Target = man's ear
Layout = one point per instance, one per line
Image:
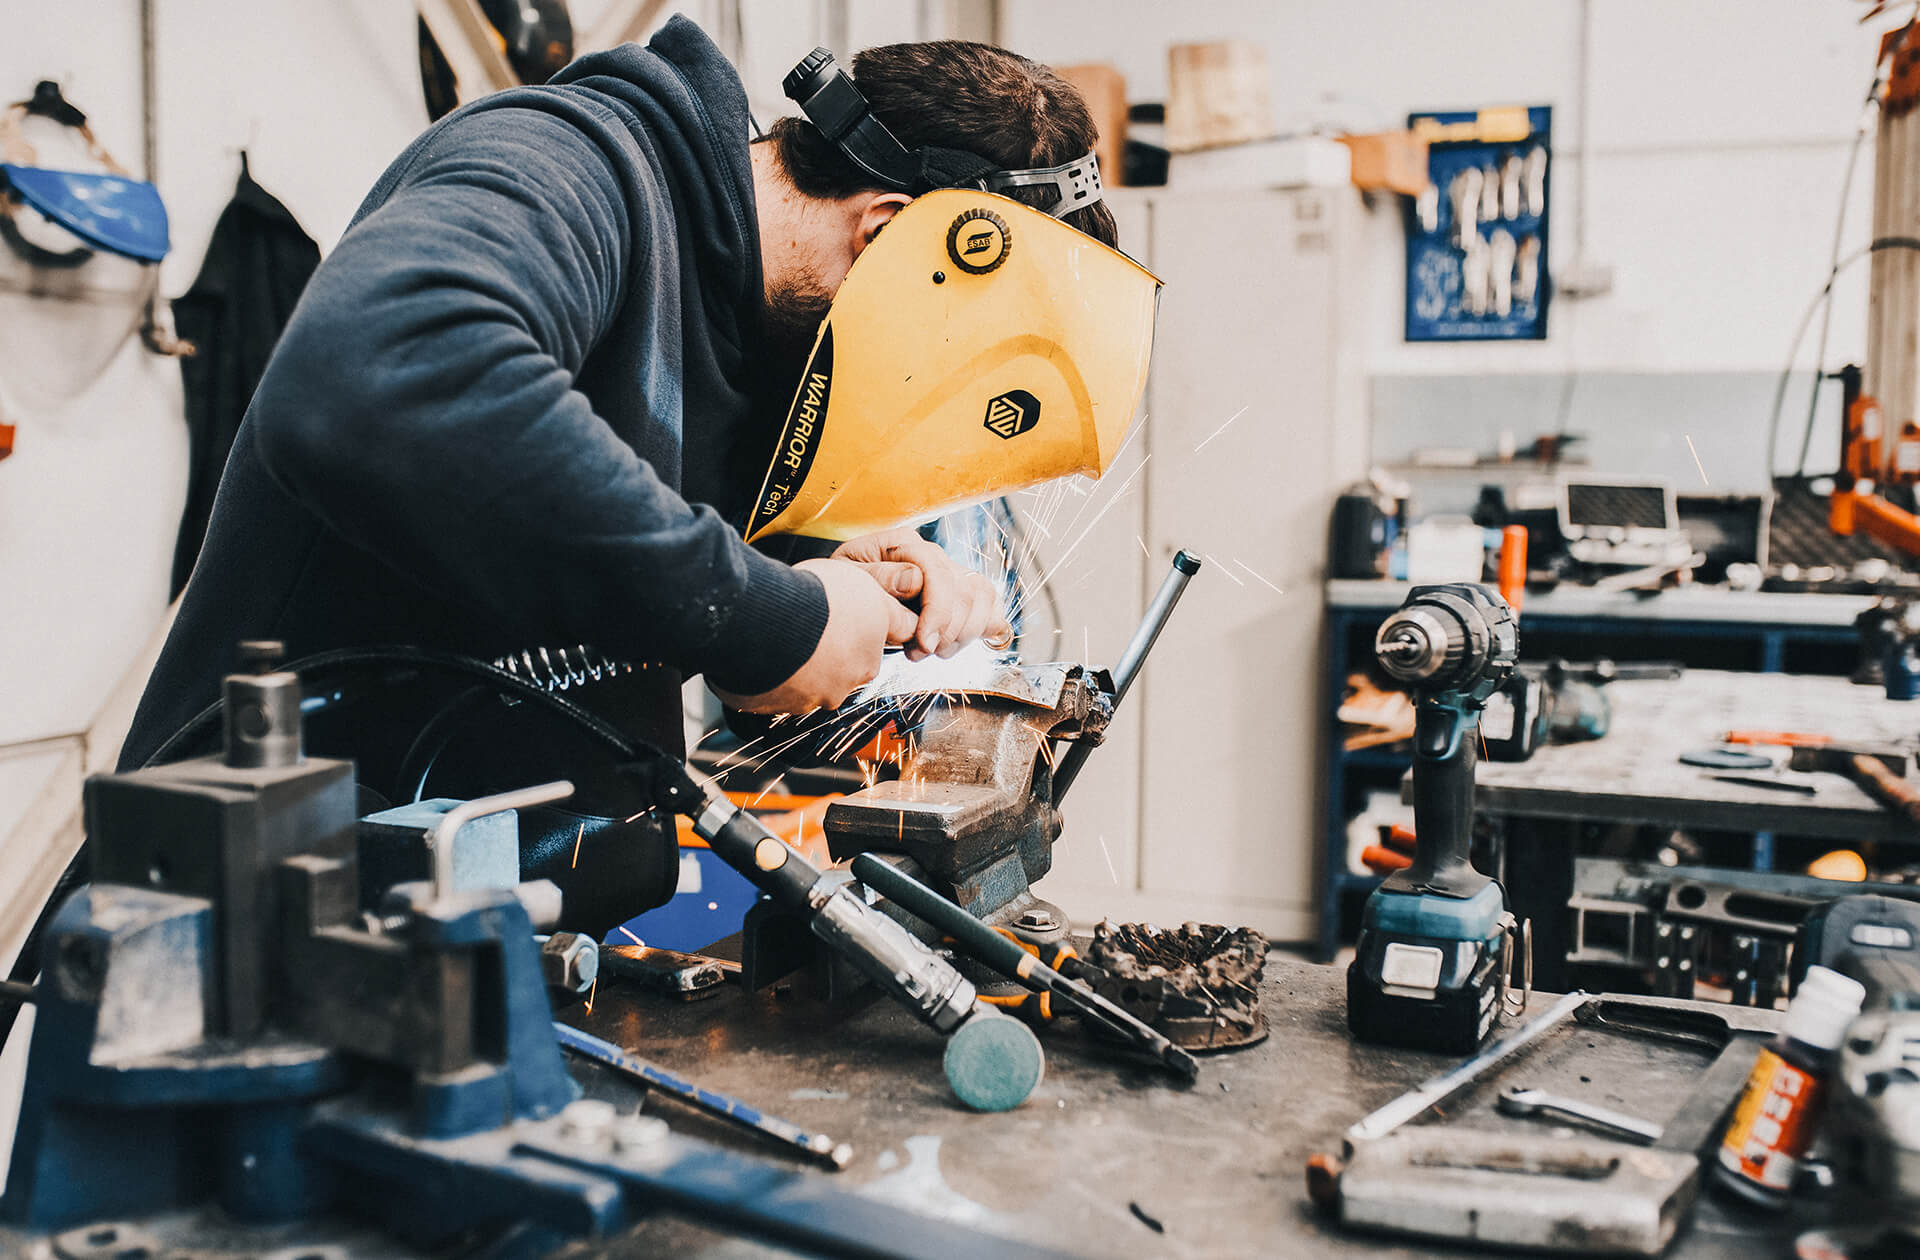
(876, 213)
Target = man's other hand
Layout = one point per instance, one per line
(956, 604)
(862, 619)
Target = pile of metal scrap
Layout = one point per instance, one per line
(1198, 985)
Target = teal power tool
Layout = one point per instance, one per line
(1436, 939)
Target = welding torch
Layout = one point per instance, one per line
(1006, 956)
(1185, 565)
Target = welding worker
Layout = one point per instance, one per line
(531, 395)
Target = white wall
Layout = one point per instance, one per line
(323, 96)
(1719, 131)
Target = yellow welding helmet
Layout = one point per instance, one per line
(977, 346)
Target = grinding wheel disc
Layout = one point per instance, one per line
(993, 1062)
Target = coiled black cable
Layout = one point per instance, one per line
(319, 665)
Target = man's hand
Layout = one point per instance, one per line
(862, 619)
(957, 605)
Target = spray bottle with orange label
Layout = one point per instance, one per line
(1775, 1119)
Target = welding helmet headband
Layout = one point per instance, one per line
(837, 108)
(976, 347)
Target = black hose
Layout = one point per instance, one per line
(25, 965)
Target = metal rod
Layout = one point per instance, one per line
(817, 1147)
(440, 839)
(1446, 1085)
(16, 991)
(1185, 565)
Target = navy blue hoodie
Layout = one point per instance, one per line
(520, 404)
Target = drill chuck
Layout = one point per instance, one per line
(1449, 638)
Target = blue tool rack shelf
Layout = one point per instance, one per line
(1765, 633)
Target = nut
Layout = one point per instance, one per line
(569, 961)
(587, 1120)
(637, 1132)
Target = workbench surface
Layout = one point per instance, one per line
(1684, 604)
(1634, 774)
(1219, 1165)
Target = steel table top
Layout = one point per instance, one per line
(1634, 774)
(1219, 1165)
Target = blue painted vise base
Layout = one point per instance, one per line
(128, 1109)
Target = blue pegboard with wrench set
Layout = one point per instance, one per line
(1477, 238)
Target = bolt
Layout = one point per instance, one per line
(587, 1120)
(1037, 921)
(637, 1132)
(569, 961)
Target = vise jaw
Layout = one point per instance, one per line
(973, 806)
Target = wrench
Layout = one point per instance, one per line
(1521, 1101)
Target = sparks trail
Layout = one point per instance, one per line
(1696, 460)
(1249, 571)
(1114, 874)
(1118, 495)
(1222, 429)
(574, 865)
(630, 936)
(1223, 568)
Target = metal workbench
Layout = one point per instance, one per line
(1634, 775)
(1220, 1165)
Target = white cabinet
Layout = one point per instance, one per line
(1204, 803)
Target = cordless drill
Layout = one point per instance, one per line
(1434, 939)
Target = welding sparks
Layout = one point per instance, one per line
(1248, 570)
(1222, 429)
(576, 842)
(1212, 560)
(1143, 547)
(1696, 460)
(592, 989)
(630, 936)
(1105, 854)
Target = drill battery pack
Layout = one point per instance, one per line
(1427, 969)
(1452, 1020)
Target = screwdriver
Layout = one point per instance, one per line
(1010, 960)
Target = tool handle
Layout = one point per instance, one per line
(1446, 747)
(1185, 565)
(1886, 787)
(976, 938)
(744, 843)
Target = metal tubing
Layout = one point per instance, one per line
(1185, 565)
(440, 839)
(817, 1147)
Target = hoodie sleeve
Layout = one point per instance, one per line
(422, 403)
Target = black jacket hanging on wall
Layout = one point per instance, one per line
(257, 263)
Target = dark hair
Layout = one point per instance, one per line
(959, 95)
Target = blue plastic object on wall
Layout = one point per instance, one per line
(1477, 242)
(108, 212)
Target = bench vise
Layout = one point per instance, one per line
(976, 809)
(974, 804)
